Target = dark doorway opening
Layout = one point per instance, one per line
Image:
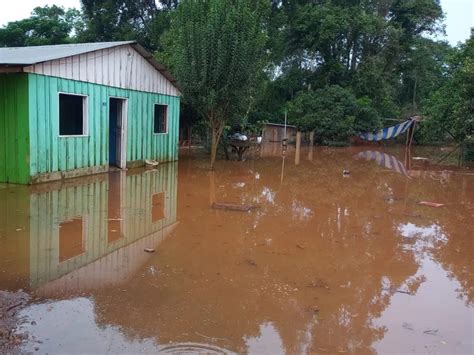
(116, 123)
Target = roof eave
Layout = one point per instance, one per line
(11, 68)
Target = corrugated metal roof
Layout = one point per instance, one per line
(37, 54)
(24, 56)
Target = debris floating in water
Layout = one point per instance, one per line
(431, 331)
(151, 163)
(430, 204)
(149, 250)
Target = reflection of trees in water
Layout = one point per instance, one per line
(445, 233)
(454, 253)
(319, 260)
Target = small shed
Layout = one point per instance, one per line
(78, 109)
(275, 132)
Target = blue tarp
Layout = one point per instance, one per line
(388, 132)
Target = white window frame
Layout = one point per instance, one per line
(85, 115)
(167, 118)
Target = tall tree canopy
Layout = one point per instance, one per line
(141, 20)
(216, 49)
(450, 107)
(46, 25)
(375, 50)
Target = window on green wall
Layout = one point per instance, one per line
(161, 119)
(72, 115)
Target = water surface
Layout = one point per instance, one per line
(326, 263)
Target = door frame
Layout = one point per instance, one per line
(122, 162)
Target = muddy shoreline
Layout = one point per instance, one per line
(11, 303)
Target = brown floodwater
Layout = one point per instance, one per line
(323, 263)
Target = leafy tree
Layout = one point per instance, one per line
(216, 50)
(333, 113)
(46, 25)
(450, 109)
(169, 4)
(141, 20)
(423, 72)
(374, 49)
(330, 112)
(109, 20)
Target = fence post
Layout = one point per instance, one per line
(298, 147)
(311, 145)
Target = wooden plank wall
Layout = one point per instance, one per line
(51, 153)
(49, 209)
(14, 133)
(120, 66)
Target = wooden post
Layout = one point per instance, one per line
(298, 148)
(282, 169)
(408, 158)
(311, 144)
(410, 133)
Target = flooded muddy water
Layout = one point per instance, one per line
(325, 262)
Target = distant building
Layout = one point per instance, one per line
(272, 139)
(77, 109)
(275, 132)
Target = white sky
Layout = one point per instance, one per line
(459, 14)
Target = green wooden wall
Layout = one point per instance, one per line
(51, 153)
(14, 135)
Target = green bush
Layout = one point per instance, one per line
(333, 113)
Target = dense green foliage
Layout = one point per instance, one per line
(141, 20)
(47, 25)
(336, 66)
(333, 113)
(374, 50)
(216, 48)
(450, 107)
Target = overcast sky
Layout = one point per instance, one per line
(459, 14)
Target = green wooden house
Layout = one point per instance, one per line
(78, 109)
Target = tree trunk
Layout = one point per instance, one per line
(414, 109)
(216, 131)
(298, 147)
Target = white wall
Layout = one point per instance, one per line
(120, 66)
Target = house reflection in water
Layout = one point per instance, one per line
(89, 233)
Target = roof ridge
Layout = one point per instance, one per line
(72, 44)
